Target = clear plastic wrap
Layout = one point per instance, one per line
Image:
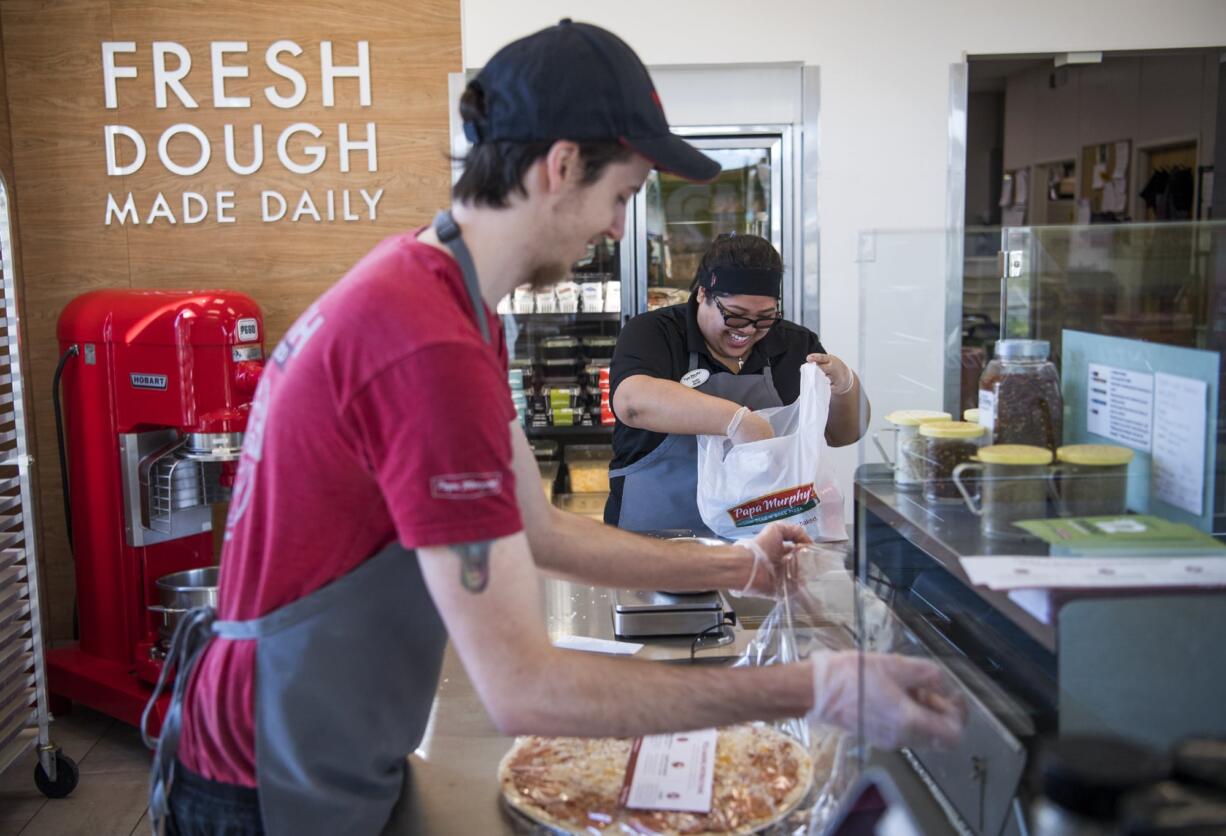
(814, 612)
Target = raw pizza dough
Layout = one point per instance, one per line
(572, 784)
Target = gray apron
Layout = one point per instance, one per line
(660, 490)
(344, 680)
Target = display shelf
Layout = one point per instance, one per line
(568, 432)
(610, 316)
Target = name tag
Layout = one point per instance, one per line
(695, 378)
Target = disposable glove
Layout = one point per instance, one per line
(907, 701)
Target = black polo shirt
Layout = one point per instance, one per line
(658, 344)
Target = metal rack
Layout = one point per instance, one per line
(24, 714)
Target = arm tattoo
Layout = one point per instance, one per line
(474, 565)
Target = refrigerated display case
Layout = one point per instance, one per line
(757, 122)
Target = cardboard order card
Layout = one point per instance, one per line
(673, 772)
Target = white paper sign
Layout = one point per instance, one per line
(1120, 405)
(1180, 413)
(671, 772)
(1017, 572)
(592, 645)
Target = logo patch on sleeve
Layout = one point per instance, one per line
(466, 485)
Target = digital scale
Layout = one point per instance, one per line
(639, 614)
(642, 614)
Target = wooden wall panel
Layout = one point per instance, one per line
(53, 69)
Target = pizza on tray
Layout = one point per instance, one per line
(572, 784)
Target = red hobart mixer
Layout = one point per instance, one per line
(157, 386)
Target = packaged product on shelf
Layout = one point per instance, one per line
(612, 297)
(549, 475)
(595, 373)
(560, 396)
(523, 300)
(505, 305)
(592, 295)
(561, 372)
(515, 379)
(1019, 396)
(589, 466)
(585, 504)
(521, 369)
(560, 348)
(564, 416)
(567, 294)
(599, 348)
(544, 449)
(546, 300)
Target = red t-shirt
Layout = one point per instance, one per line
(378, 394)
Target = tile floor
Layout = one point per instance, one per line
(110, 799)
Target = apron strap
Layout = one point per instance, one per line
(191, 637)
(693, 361)
(448, 232)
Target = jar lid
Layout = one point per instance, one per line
(1014, 454)
(950, 429)
(971, 415)
(1101, 455)
(1023, 349)
(915, 417)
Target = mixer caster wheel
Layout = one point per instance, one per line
(66, 776)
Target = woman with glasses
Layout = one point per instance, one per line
(699, 369)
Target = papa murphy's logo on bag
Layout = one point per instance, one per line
(776, 506)
(466, 485)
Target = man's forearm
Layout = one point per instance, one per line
(849, 416)
(666, 406)
(574, 694)
(581, 549)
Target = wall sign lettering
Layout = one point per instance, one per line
(293, 147)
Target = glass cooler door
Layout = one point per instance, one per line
(676, 221)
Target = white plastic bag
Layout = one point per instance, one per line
(743, 488)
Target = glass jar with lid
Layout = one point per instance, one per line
(1019, 395)
(1091, 480)
(1013, 484)
(946, 444)
(907, 462)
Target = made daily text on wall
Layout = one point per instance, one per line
(223, 144)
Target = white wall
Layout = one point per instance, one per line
(885, 82)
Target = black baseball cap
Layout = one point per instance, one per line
(579, 82)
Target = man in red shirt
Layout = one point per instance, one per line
(387, 500)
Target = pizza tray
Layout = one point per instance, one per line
(793, 822)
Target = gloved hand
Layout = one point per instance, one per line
(772, 553)
(747, 426)
(907, 701)
(841, 377)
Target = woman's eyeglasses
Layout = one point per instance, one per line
(764, 323)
